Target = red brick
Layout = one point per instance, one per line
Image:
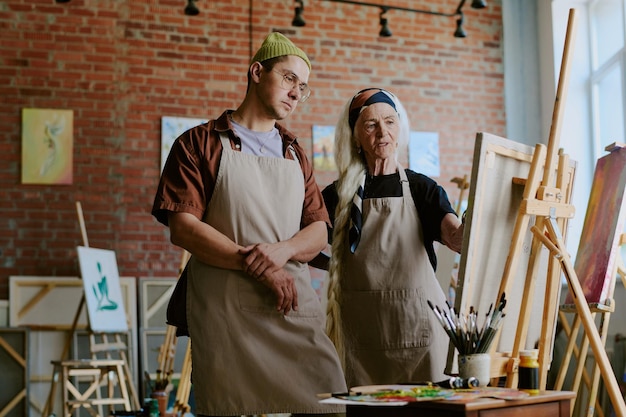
(121, 66)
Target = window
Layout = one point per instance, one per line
(608, 72)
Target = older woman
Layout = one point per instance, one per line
(382, 268)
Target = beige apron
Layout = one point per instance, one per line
(392, 335)
(247, 357)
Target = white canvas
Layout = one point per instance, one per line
(103, 294)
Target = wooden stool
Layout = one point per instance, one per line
(96, 373)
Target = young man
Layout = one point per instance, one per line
(239, 194)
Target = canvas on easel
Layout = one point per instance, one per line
(604, 223)
(536, 203)
(107, 321)
(103, 293)
(596, 267)
(546, 201)
(497, 195)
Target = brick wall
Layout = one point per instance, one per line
(121, 65)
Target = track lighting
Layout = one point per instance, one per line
(384, 29)
(298, 20)
(459, 32)
(191, 9)
(479, 4)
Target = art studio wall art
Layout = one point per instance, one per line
(103, 292)
(47, 146)
(323, 148)
(424, 153)
(173, 127)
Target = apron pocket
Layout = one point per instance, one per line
(393, 319)
(257, 298)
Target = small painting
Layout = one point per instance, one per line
(323, 148)
(424, 153)
(103, 293)
(172, 128)
(47, 146)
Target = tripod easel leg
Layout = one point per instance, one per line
(586, 317)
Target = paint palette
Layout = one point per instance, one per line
(397, 393)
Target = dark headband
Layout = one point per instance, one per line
(366, 97)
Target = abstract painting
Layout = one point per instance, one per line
(604, 223)
(47, 146)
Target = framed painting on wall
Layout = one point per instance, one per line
(424, 153)
(47, 146)
(324, 148)
(173, 127)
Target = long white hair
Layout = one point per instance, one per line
(352, 168)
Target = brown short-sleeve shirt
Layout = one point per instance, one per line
(189, 175)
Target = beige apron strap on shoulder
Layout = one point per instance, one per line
(293, 153)
(404, 180)
(402, 173)
(225, 140)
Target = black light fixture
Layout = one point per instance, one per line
(459, 32)
(62, 1)
(298, 20)
(191, 9)
(479, 4)
(385, 32)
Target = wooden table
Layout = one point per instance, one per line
(544, 404)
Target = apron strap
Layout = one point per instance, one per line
(225, 140)
(293, 153)
(226, 145)
(404, 180)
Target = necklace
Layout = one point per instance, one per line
(261, 138)
(262, 144)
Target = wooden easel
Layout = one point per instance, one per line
(104, 346)
(167, 352)
(603, 307)
(543, 197)
(550, 204)
(554, 242)
(463, 185)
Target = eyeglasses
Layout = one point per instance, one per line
(291, 81)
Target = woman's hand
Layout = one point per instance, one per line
(452, 232)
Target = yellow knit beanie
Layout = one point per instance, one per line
(275, 45)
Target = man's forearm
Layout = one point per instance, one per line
(309, 242)
(204, 242)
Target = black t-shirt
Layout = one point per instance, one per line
(431, 202)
